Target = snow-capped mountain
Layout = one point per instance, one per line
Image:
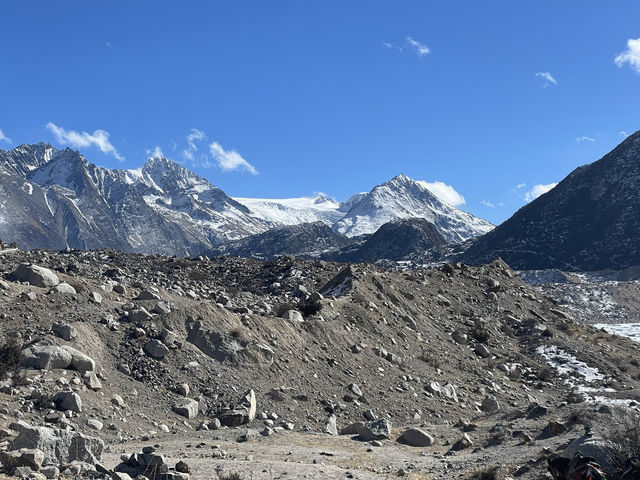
(295, 211)
(589, 221)
(401, 197)
(54, 198)
(51, 198)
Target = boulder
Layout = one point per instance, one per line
(416, 438)
(68, 401)
(352, 429)
(490, 405)
(25, 457)
(331, 426)
(156, 349)
(378, 430)
(139, 315)
(464, 442)
(482, 351)
(36, 276)
(293, 315)
(58, 446)
(186, 407)
(95, 297)
(147, 295)
(64, 331)
(604, 451)
(46, 358)
(64, 288)
(243, 412)
(92, 381)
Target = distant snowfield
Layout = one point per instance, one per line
(630, 330)
(293, 211)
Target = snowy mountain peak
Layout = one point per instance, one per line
(403, 197)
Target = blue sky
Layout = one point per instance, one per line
(288, 98)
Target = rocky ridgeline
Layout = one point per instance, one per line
(111, 348)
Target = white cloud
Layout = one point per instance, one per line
(3, 137)
(420, 48)
(520, 185)
(631, 55)
(229, 160)
(538, 190)
(444, 192)
(155, 153)
(194, 136)
(548, 79)
(487, 204)
(623, 134)
(99, 138)
(585, 139)
(391, 45)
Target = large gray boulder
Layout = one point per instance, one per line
(68, 401)
(53, 357)
(378, 430)
(416, 438)
(243, 412)
(36, 276)
(58, 446)
(156, 349)
(604, 451)
(186, 407)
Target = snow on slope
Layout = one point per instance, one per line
(401, 197)
(294, 211)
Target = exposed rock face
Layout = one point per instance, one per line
(186, 407)
(58, 446)
(305, 240)
(396, 240)
(587, 222)
(378, 430)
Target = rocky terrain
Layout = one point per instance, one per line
(587, 222)
(116, 365)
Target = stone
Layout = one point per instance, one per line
(58, 446)
(449, 391)
(54, 357)
(64, 331)
(331, 426)
(139, 315)
(490, 405)
(65, 289)
(147, 295)
(120, 289)
(68, 401)
(36, 276)
(482, 351)
(352, 429)
(378, 430)
(4, 285)
(596, 447)
(95, 424)
(186, 407)
(95, 297)
(416, 438)
(92, 381)
(243, 412)
(353, 388)
(459, 337)
(293, 315)
(168, 337)
(464, 442)
(117, 400)
(555, 428)
(156, 349)
(24, 457)
(182, 389)
(50, 472)
(162, 308)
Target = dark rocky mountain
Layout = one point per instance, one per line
(589, 221)
(304, 240)
(397, 240)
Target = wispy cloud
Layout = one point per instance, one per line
(3, 137)
(486, 203)
(155, 152)
(444, 192)
(631, 55)
(229, 160)
(193, 138)
(547, 79)
(391, 45)
(99, 138)
(520, 185)
(585, 139)
(538, 190)
(623, 134)
(420, 48)
(108, 44)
